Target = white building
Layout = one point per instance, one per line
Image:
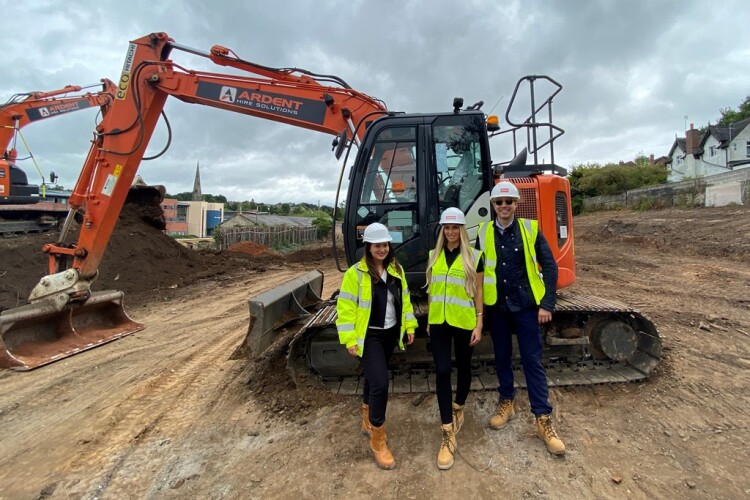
(717, 149)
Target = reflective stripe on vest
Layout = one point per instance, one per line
(362, 302)
(362, 297)
(449, 301)
(487, 245)
(529, 231)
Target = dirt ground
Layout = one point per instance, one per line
(165, 413)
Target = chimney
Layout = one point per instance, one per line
(691, 140)
(651, 159)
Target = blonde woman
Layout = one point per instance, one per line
(454, 278)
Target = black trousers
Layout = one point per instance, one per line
(379, 346)
(441, 338)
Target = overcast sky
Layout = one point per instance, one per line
(633, 75)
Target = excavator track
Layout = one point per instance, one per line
(591, 341)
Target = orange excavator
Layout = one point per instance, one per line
(407, 168)
(23, 207)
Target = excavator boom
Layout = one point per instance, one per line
(22, 109)
(148, 78)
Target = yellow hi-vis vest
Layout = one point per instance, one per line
(449, 301)
(529, 232)
(355, 301)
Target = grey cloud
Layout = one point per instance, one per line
(631, 71)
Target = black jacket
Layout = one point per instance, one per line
(513, 289)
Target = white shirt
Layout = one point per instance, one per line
(390, 308)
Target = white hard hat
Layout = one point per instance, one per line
(505, 189)
(452, 215)
(376, 233)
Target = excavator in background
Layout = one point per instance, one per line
(407, 168)
(24, 208)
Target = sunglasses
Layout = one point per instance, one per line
(503, 202)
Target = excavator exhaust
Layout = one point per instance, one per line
(38, 334)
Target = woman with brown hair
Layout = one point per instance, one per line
(374, 313)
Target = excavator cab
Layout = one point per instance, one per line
(408, 170)
(15, 187)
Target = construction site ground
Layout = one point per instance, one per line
(165, 412)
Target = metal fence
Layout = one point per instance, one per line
(268, 236)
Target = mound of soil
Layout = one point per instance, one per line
(272, 385)
(251, 248)
(140, 260)
(316, 253)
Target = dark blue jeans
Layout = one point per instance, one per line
(526, 325)
(379, 346)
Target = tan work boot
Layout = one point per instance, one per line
(366, 425)
(503, 413)
(549, 436)
(380, 450)
(447, 447)
(458, 417)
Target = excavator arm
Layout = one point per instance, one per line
(23, 109)
(292, 96)
(148, 79)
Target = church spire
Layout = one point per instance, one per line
(197, 195)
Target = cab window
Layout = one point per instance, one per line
(391, 175)
(458, 163)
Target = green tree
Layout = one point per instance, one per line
(324, 223)
(729, 115)
(180, 196)
(219, 198)
(593, 179)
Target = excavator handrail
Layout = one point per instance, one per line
(530, 123)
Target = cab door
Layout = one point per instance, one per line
(385, 186)
(409, 169)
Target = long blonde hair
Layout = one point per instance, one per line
(467, 257)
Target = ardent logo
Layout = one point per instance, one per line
(44, 112)
(228, 94)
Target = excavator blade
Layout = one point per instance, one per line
(37, 334)
(272, 310)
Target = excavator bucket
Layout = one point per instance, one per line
(38, 334)
(272, 310)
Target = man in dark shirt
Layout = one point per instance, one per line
(518, 298)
